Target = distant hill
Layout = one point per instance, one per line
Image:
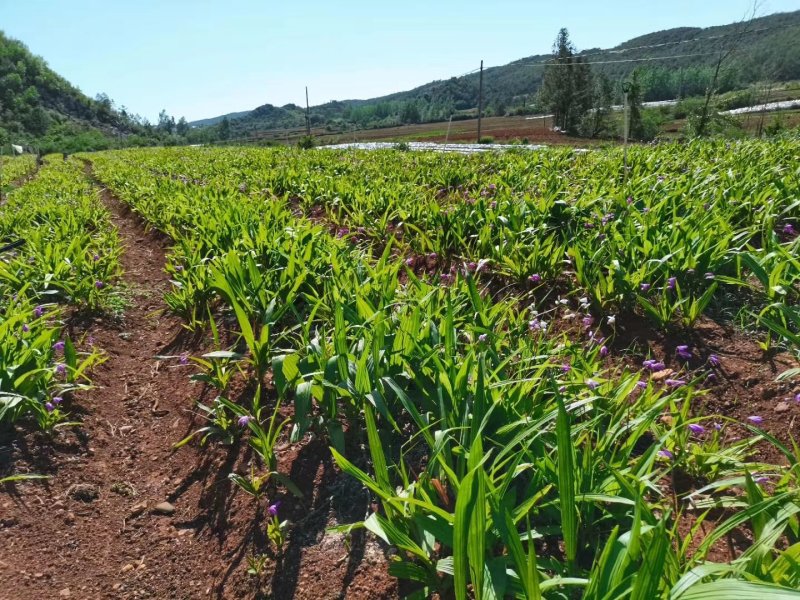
(673, 63)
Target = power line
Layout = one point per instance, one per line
(610, 62)
(697, 39)
(550, 61)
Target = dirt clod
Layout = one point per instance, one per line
(83, 492)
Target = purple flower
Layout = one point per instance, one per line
(630, 200)
(178, 268)
(675, 382)
(671, 283)
(410, 262)
(96, 257)
(641, 384)
(566, 368)
(61, 369)
(562, 389)
(473, 266)
(666, 454)
(446, 278)
(789, 229)
(535, 278)
(603, 351)
(537, 325)
(57, 400)
(695, 428)
(713, 360)
(755, 419)
(644, 287)
(683, 352)
(244, 420)
(272, 511)
(718, 426)
(653, 365)
(761, 479)
(183, 359)
(49, 407)
(592, 384)
(25, 328)
(433, 256)
(58, 346)
(587, 321)
(482, 338)
(797, 397)
(99, 284)
(38, 311)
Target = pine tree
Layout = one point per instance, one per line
(567, 87)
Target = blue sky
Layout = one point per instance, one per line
(202, 58)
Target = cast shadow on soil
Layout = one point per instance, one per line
(24, 446)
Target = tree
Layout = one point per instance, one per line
(166, 123)
(566, 88)
(636, 125)
(597, 123)
(727, 49)
(224, 129)
(182, 127)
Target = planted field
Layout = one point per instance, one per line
(15, 168)
(412, 374)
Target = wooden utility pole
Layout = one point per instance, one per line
(308, 120)
(626, 88)
(480, 102)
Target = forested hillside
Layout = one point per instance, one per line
(40, 108)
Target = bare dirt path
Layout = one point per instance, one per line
(91, 532)
(97, 528)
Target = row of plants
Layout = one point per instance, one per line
(65, 257)
(508, 457)
(13, 168)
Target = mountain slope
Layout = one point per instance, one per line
(673, 62)
(38, 106)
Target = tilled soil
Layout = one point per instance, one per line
(124, 515)
(95, 528)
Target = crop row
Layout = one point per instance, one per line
(13, 168)
(67, 259)
(508, 459)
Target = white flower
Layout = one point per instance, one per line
(611, 319)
